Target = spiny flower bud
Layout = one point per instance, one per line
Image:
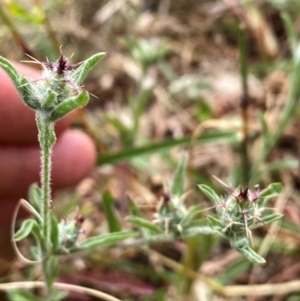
(58, 91)
(240, 212)
(69, 232)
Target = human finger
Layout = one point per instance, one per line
(74, 156)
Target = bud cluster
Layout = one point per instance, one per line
(172, 218)
(240, 212)
(68, 233)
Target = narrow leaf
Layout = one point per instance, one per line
(67, 106)
(23, 295)
(135, 211)
(25, 230)
(242, 246)
(116, 123)
(251, 255)
(291, 32)
(87, 66)
(210, 193)
(271, 218)
(212, 137)
(265, 128)
(265, 220)
(140, 107)
(52, 268)
(279, 164)
(196, 231)
(101, 240)
(177, 188)
(21, 84)
(57, 295)
(215, 223)
(50, 98)
(28, 94)
(143, 223)
(110, 213)
(10, 70)
(34, 196)
(273, 190)
(191, 215)
(55, 235)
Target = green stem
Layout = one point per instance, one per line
(291, 106)
(196, 253)
(10, 24)
(287, 114)
(46, 139)
(139, 105)
(244, 108)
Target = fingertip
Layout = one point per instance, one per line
(74, 155)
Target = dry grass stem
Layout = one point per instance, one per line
(62, 286)
(231, 290)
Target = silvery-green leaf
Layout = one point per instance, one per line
(273, 190)
(57, 295)
(265, 128)
(177, 189)
(210, 193)
(28, 94)
(195, 231)
(292, 34)
(25, 230)
(87, 66)
(252, 256)
(215, 223)
(23, 295)
(50, 98)
(52, 268)
(55, 236)
(135, 211)
(10, 70)
(241, 244)
(190, 215)
(66, 107)
(143, 223)
(265, 220)
(101, 240)
(110, 213)
(35, 196)
(271, 218)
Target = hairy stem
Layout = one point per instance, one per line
(46, 139)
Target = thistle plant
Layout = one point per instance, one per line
(240, 212)
(172, 218)
(57, 93)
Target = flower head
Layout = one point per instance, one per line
(58, 92)
(240, 212)
(62, 66)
